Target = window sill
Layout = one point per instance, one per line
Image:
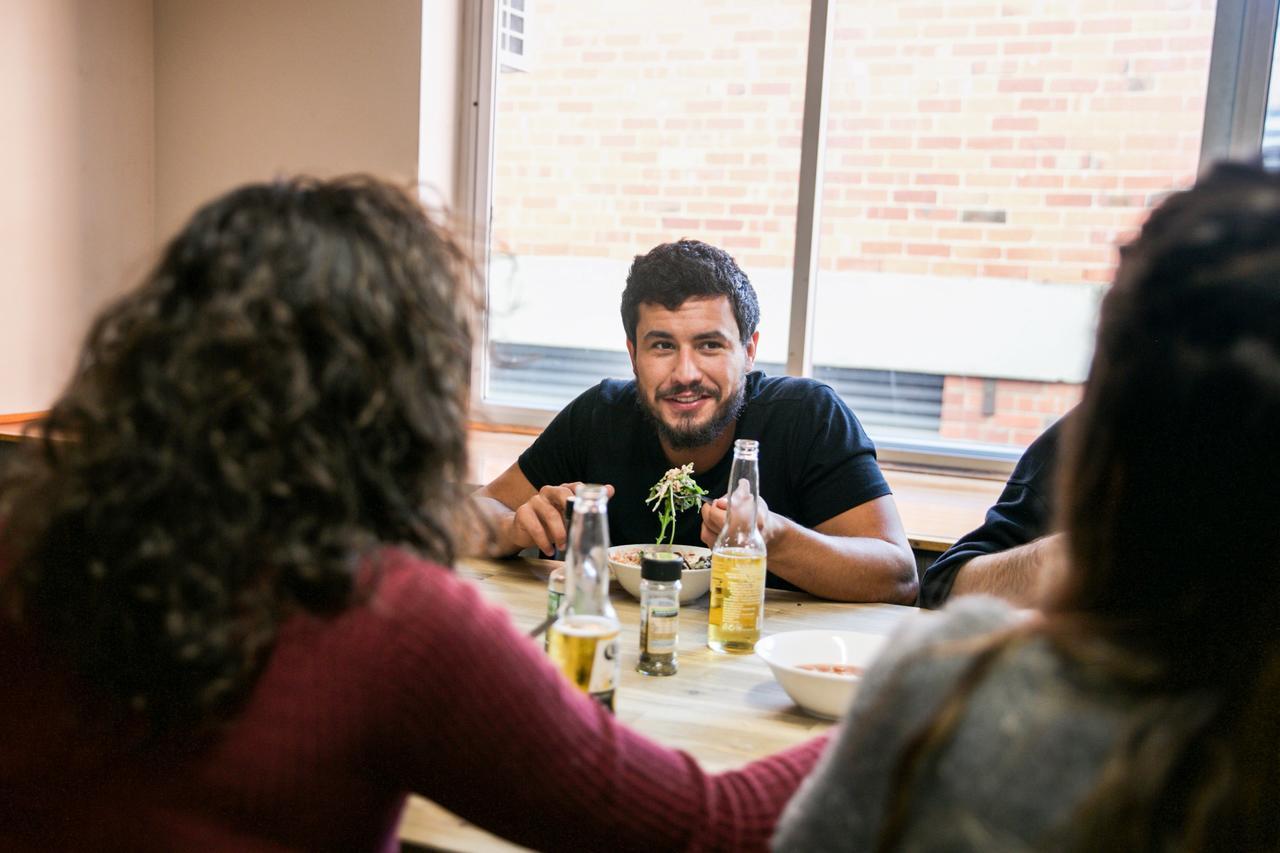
(12, 426)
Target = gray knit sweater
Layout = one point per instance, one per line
(1027, 751)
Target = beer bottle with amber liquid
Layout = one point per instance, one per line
(584, 638)
(736, 613)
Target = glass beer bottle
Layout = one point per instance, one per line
(736, 613)
(584, 639)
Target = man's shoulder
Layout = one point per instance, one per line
(598, 424)
(614, 391)
(796, 402)
(784, 390)
(801, 410)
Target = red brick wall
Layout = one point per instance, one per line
(643, 122)
(990, 139)
(1022, 410)
(1005, 139)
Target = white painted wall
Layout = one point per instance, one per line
(119, 117)
(78, 207)
(254, 89)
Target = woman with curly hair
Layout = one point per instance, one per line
(227, 621)
(1140, 711)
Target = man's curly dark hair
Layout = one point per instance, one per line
(285, 392)
(671, 273)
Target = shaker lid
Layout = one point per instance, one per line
(661, 566)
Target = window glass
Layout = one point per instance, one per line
(983, 161)
(1271, 125)
(634, 124)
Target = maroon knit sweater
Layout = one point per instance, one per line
(424, 688)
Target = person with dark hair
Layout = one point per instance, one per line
(690, 316)
(1138, 712)
(1013, 555)
(226, 617)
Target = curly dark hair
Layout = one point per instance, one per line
(285, 392)
(688, 269)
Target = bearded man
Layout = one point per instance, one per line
(690, 316)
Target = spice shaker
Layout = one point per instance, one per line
(659, 613)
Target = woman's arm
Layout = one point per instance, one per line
(478, 720)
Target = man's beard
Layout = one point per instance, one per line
(687, 437)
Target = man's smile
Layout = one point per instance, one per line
(686, 402)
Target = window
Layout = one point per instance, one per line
(979, 164)
(1271, 124)
(513, 35)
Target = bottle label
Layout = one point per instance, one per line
(663, 628)
(585, 648)
(743, 593)
(604, 668)
(737, 590)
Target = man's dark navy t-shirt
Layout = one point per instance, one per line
(1022, 514)
(815, 459)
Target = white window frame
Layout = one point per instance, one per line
(1235, 109)
(509, 60)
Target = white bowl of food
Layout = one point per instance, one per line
(820, 670)
(695, 578)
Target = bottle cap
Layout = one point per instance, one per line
(661, 567)
(559, 553)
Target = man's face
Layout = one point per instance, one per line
(690, 368)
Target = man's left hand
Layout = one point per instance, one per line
(714, 514)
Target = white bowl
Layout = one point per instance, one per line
(819, 693)
(694, 583)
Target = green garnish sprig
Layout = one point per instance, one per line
(674, 493)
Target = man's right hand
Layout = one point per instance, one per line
(515, 516)
(539, 521)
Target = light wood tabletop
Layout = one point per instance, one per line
(723, 709)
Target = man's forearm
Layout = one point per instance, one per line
(843, 568)
(1017, 575)
(490, 532)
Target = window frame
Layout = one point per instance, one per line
(509, 59)
(1240, 64)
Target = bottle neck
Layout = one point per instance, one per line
(741, 522)
(586, 583)
(745, 468)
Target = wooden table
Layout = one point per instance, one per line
(723, 709)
